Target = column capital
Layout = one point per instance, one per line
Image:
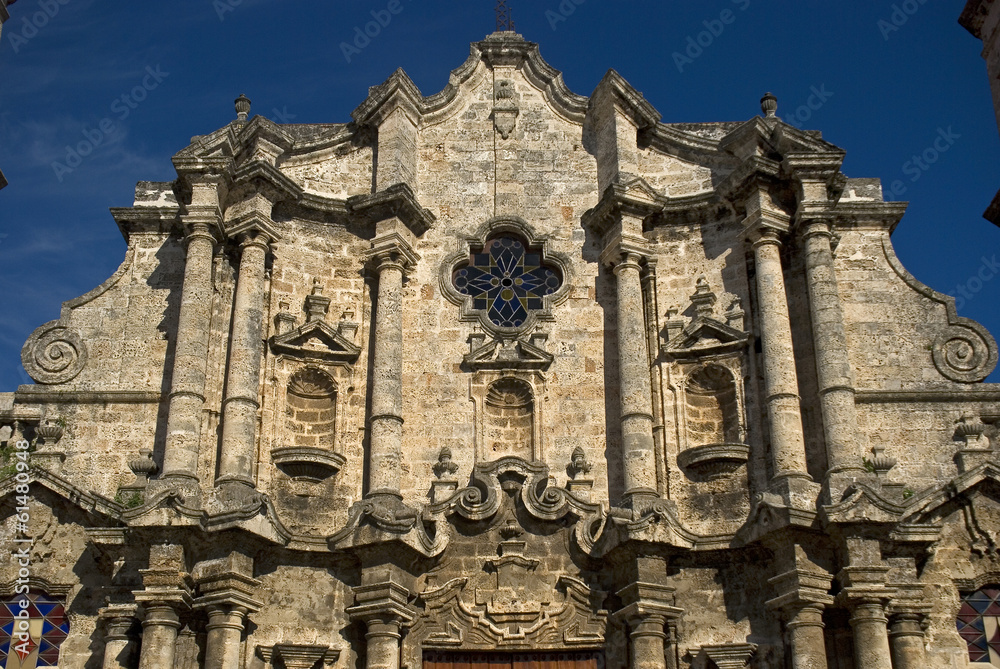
(254, 238)
(392, 250)
(765, 234)
(816, 226)
(382, 604)
(626, 250)
(646, 602)
(118, 620)
(800, 589)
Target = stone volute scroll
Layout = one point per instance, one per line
(54, 353)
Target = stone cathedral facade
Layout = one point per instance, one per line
(505, 376)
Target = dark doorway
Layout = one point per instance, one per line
(584, 660)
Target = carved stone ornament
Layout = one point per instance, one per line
(520, 610)
(54, 353)
(964, 354)
(298, 656)
(505, 109)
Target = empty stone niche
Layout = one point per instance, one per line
(715, 432)
(307, 453)
(509, 419)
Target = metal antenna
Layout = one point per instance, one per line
(505, 21)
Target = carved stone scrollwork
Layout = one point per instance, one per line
(54, 353)
(962, 353)
(482, 499)
(458, 615)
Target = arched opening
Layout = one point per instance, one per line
(712, 407)
(510, 418)
(311, 409)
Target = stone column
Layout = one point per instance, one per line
(649, 609)
(833, 368)
(781, 385)
(871, 640)
(187, 391)
(165, 595)
(225, 632)
(386, 421)
(635, 390)
(647, 637)
(906, 638)
(227, 588)
(383, 638)
(383, 609)
(159, 636)
(240, 406)
(802, 596)
(118, 621)
(806, 642)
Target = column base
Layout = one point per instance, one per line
(187, 485)
(796, 490)
(639, 499)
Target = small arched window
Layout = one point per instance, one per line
(979, 624)
(36, 643)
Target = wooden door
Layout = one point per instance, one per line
(585, 660)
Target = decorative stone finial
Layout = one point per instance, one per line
(735, 314)
(769, 105)
(970, 428)
(317, 306)
(143, 467)
(242, 107)
(703, 298)
(880, 462)
(578, 463)
(444, 464)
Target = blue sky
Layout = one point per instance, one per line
(885, 91)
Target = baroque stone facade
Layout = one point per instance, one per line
(507, 374)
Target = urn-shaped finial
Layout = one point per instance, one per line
(242, 107)
(769, 105)
(143, 466)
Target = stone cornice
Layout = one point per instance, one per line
(885, 215)
(396, 201)
(259, 172)
(635, 198)
(396, 92)
(626, 99)
(974, 16)
(261, 128)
